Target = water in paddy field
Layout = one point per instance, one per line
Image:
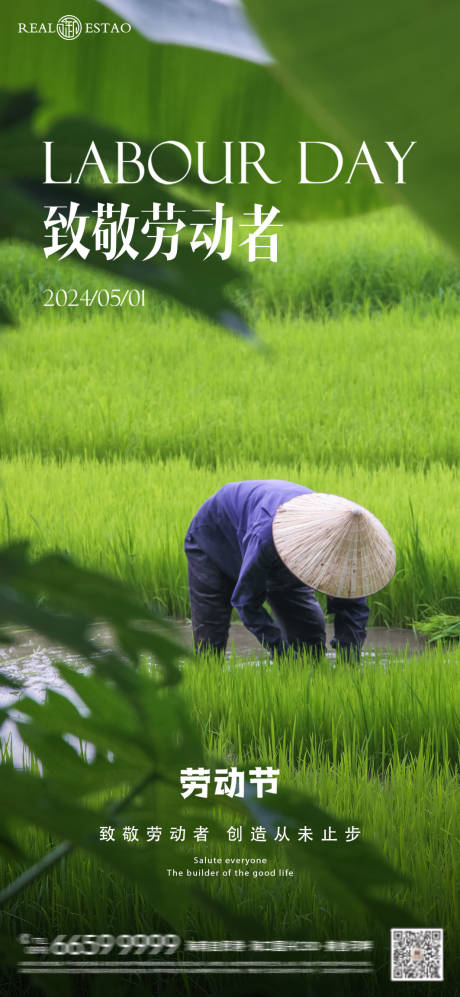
(30, 660)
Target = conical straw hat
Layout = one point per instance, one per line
(334, 545)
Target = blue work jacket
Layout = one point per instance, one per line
(234, 528)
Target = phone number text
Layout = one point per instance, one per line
(102, 944)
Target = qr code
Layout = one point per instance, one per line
(417, 954)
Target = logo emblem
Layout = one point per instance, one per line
(68, 27)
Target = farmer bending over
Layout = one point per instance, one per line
(273, 541)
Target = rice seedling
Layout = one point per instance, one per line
(439, 627)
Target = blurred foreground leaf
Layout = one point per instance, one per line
(220, 27)
(195, 282)
(379, 73)
(348, 878)
(138, 88)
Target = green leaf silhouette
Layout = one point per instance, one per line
(377, 73)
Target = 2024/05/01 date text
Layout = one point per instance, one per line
(102, 297)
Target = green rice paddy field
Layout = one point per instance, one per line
(115, 426)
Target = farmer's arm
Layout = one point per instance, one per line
(250, 592)
(350, 620)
